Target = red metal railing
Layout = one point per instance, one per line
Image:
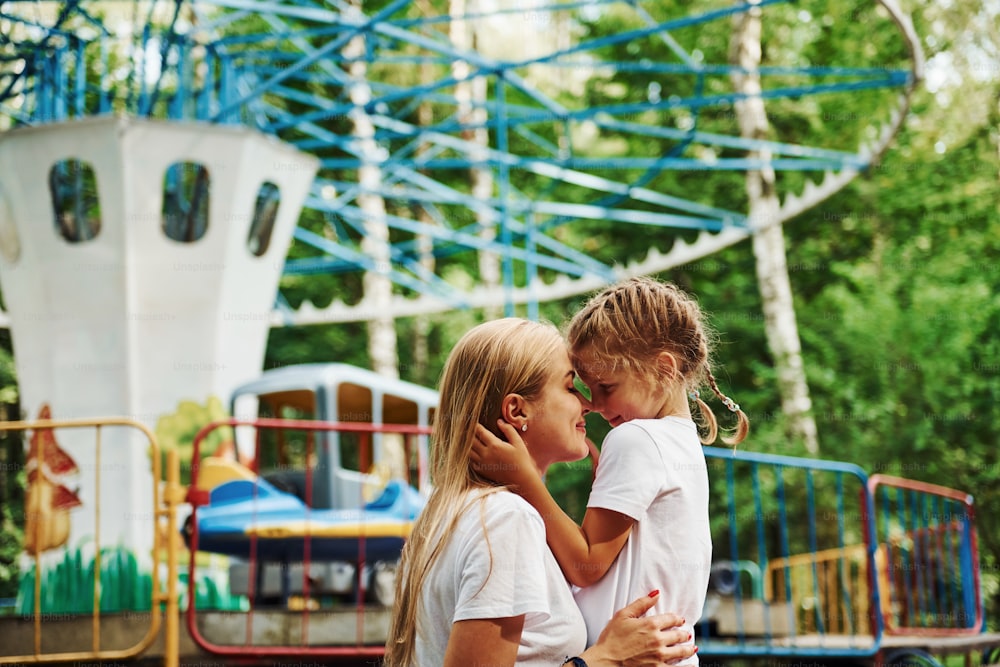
(293, 627)
(927, 558)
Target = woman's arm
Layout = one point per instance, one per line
(630, 640)
(484, 640)
(633, 640)
(585, 553)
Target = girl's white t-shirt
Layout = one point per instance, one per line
(497, 565)
(654, 471)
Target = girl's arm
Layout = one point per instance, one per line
(482, 640)
(585, 553)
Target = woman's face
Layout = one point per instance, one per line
(556, 429)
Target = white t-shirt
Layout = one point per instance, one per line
(654, 471)
(523, 578)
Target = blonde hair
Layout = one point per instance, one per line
(494, 359)
(628, 324)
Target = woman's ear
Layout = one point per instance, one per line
(512, 409)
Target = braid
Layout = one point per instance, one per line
(742, 422)
(707, 417)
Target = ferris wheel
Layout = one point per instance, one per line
(521, 131)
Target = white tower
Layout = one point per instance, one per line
(139, 262)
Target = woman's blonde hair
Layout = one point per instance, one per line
(628, 324)
(494, 359)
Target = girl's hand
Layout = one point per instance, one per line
(506, 463)
(634, 640)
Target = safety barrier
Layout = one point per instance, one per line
(928, 558)
(813, 558)
(852, 567)
(801, 524)
(839, 576)
(45, 527)
(314, 587)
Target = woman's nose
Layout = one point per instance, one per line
(587, 405)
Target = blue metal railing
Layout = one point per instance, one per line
(803, 522)
(844, 558)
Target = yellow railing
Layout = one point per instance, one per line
(827, 589)
(165, 512)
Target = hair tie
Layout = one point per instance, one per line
(693, 395)
(729, 403)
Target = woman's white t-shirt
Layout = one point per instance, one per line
(497, 565)
(654, 471)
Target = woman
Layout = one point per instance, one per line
(477, 582)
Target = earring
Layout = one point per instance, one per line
(524, 427)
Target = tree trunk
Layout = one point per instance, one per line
(470, 96)
(425, 245)
(375, 244)
(768, 238)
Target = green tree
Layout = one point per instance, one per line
(12, 475)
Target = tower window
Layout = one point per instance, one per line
(10, 242)
(265, 211)
(75, 201)
(186, 188)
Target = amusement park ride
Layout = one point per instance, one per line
(158, 160)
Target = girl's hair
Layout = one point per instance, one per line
(628, 324)
(494, 359)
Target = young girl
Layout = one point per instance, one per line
(642, 348)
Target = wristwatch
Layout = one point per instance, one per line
(576, 662)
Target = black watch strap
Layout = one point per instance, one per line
(576, 662)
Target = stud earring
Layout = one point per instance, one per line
(524, 427)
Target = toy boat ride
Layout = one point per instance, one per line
(246, 517)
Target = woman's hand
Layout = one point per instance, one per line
(506, 463)
(634, 640)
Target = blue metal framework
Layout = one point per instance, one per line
(281, 67)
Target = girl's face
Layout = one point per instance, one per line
(556, 428)
(620, 396)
